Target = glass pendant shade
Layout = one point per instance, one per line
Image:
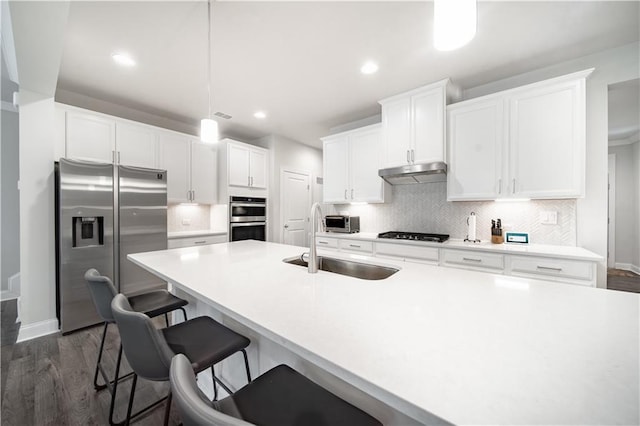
(454, 23)
(208, 130)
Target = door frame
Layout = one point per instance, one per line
(307, 173)
(611, 211)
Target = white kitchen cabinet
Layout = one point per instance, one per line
(476, 140)
(527, 142)
(547, 268)
(327, 243)
(90, 137)
(414, 126)
(247, 166)
(196, 241)
(408, 253)
(136, 145)
(350, 167)
(191, 168)
(356, 246)
(468, 259)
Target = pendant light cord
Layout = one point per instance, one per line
(209, 55)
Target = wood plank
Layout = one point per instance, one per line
(18, 401)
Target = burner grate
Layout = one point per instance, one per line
(414, 236)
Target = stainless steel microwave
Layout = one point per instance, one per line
(342, 223)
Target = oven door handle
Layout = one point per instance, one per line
(248, 204)
(237, 225)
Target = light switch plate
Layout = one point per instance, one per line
(186, 221)
(548, 217)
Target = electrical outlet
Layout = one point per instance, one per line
(548, 217)
(186, 222)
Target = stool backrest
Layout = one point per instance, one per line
(102, 292)
(194, 407)
(144, 345)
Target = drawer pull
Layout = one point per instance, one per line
(470, 259)
(548, 268)
(323, 242)
(200, 242)
(354, 245)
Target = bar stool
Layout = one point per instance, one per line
(279, 397)
(152, 303)
(149, 350)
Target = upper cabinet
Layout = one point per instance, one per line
(190, 166)
(247, 165)
(91, 136)
(351, 161)
(244, 170)
(527, 142)
(413, 126)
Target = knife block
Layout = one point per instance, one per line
(497, 239)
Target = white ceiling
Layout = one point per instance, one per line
(299, 61)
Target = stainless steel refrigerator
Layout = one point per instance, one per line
(103, 213)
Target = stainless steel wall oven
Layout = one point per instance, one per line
(247, 218)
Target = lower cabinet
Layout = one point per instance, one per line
(196, 241)
(567, 271)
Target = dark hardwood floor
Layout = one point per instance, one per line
(49, 380)
(621, 280)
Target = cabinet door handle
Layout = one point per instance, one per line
(354, 245)
(345, 194)
(323, 242)
(471, 259)
(413, 156)
(513, 188)
(499, 186)
(251, 180)
(408, 157)
(193, 194)
(200, 242)
(118, 157)
(549, 268)
(113, 157)
(352, 193)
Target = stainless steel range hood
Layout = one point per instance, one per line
(415, 173)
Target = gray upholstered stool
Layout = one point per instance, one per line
(149, 350)
(279, 397)
(153, 303)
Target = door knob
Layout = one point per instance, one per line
(286, 226)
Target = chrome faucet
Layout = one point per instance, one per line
(314, 262)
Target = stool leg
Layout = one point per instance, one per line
(246, 365)
(167, 410)
(166, 319)
(184, 313)
(95, 376)
(215, 386)
(133, 392)
(115, 387)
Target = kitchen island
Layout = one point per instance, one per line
(432, 343)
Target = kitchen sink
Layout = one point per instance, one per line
(350, 268)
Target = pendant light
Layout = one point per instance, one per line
(208, 126)
(454, 23)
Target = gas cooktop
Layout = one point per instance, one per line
(414, 236)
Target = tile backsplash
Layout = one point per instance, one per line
(424, 208)
(187, 217)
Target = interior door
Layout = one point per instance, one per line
(295, 199)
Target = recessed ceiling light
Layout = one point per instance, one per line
(123, 59)
(369, 68)
(260, 115)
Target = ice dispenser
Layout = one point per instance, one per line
(88, 231)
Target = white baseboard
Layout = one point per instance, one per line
(628, 267)
(13, 290)
(37, 329)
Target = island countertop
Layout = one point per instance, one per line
(467, 347)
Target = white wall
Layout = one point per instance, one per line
(10, 222)
(627, 236)
(290, 155)
(612, 66)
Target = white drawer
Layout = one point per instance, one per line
(356, 246)
(408, 252)
(562, 268)
(196, 241)
(327, 242)
(473, 259)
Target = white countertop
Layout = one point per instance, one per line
(201, 233)
(565, 252)
(468, 347)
